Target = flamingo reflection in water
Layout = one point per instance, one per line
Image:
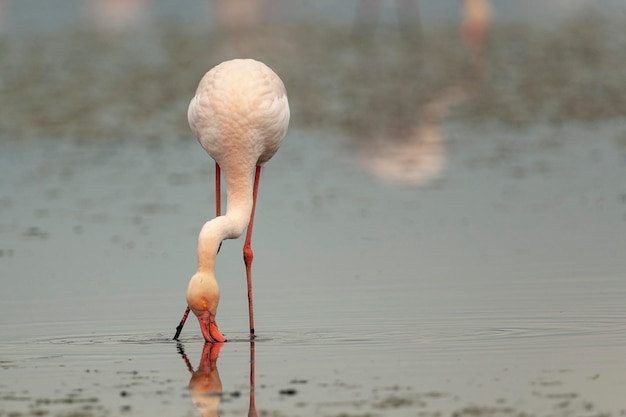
(205, 385)
(413, 154)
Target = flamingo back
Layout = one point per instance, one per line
(240, 113)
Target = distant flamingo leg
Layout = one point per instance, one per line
(218, 212)
(247, 249)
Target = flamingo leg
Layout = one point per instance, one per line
(218, 197)
(247, 249)
(218, 212)
(179, 328)
(218, 192)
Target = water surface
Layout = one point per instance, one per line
(430, 240)
(492, 287)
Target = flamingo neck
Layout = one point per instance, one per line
(229, 226)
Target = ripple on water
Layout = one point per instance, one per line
(483, 332)
(480, 332)
(107, 339)
(136, 338)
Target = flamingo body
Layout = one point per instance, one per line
(476, 21)
(240, 115)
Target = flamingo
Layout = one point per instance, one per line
(475, 26)
(236, 16)
(111, 16)
(412, 153)
(240, 115)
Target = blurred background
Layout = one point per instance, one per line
(426, 109)
(453, 177)
(385, 95)
(116, 70)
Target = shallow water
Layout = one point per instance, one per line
(468, 265)
(497, 289)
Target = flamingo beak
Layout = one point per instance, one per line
(209, 328)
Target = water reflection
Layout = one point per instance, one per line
(205, 385)
(410, 149)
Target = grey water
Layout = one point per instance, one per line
(486, 288)
(495, 286)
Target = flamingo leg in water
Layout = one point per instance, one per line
(247, 249)
(179, 328)
(218, 212)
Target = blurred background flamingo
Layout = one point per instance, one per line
(117, 15)
(240, 16)
(410, 149)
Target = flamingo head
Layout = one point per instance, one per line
(203, 296)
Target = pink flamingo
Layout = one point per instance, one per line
(240, 116)
(117, 15)
(241, 15)
(475, 26)
(414, 154)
